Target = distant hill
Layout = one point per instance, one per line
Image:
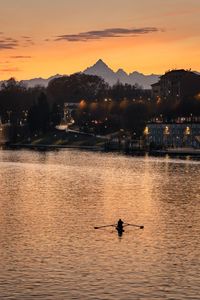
(102, 70)
(38, 81)
(30, 83)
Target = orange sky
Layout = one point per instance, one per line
(150, 36)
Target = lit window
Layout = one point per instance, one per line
(166, 130)
(146, 130)
(187, 130)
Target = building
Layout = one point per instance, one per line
(173, 134)
(176, 85)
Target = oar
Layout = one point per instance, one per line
(139, 226)
(97, 227)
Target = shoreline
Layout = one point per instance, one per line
(179, 152)
(52, 147)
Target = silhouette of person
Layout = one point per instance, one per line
(120, 224)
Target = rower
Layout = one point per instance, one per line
(120, 224)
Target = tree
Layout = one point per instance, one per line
(76, 87)
(56, 115)
(135, 116)
(12, 98)
(39, 115)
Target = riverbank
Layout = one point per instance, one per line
(84, 141)
(177, 152)
(43, 147)
(60, 139)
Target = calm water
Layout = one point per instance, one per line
(50, 203)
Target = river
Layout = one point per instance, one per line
(50, 203)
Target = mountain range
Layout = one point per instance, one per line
(100, 68)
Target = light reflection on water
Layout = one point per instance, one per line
(50, 203)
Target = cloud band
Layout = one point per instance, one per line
(106, 33)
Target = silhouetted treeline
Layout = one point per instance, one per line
(80, 86)
(16, 100)
(102, 108)
(76, 87)
(111, 115)
(39, 115)
(171, 109)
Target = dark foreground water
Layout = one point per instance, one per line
(50, 203)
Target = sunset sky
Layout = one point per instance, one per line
(40, 38)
